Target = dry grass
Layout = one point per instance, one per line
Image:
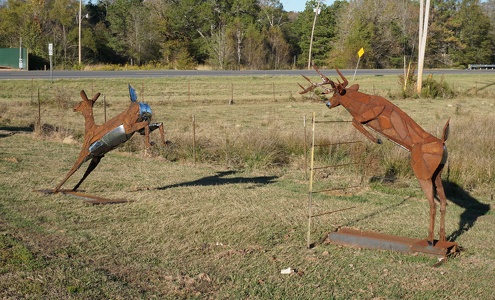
(224, 227)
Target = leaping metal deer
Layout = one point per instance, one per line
(428, 153)
(100, 139)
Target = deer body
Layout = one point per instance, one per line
(428, 153)
(100, 139)
(124, 126)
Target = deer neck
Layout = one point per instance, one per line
(355, 102)
(89, 120)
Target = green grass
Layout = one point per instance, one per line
(224, 227)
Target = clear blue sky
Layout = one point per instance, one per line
(299, 5)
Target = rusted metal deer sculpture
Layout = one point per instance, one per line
(100, 139)
(428, 153)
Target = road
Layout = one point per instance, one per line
(14, 74)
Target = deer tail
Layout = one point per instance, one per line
(445, 131)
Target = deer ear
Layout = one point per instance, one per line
(83, 95)
(95, 97)
(354, 87)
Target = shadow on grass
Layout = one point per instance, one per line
(218, 179)
(375, 213)
(6, 131)
(473, 209)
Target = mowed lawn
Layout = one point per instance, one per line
(225, 229)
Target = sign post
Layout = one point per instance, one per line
(21, 62)
(50, 53)
(360, 53)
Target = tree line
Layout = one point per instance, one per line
(247, 34)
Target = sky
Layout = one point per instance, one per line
(298, 5)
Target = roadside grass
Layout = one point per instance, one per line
(224, 226)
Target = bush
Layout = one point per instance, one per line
(431, 88)
(436, 89)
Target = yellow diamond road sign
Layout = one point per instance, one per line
(361, 52)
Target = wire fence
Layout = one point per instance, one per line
(174, 91)
(226, 133)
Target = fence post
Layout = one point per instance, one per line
(142, 91)
(105, 108)
(39, 112)
(273, 91)
(194, 137)
(310, 193)
(305, 150)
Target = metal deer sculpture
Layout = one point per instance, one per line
(428, 153)
(100, 139)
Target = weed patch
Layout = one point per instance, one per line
(14, 256)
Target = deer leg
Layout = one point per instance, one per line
(363, 130)
(443, 204)
(136, 127)
(92, 165)
(427, 187)
(83, 156)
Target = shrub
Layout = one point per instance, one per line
(436, 89)
(431, 88)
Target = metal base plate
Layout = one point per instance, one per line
(372, 240)
(86, 197)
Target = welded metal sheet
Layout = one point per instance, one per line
(372, 240)
(86, 197)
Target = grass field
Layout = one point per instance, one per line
(225, 225)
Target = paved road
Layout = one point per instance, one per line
(13, 74)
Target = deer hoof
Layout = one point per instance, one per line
(379, 141)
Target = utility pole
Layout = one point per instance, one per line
(80, 8)
(423, 33)
(317, 12)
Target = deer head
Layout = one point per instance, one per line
(85, 104)
(338, 89)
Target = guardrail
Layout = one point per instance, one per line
(480, 67)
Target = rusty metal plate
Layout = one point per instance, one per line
(372, 240)
(91, 199)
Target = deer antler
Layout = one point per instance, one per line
(336, 88)
(344, 83)
(324, 80)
